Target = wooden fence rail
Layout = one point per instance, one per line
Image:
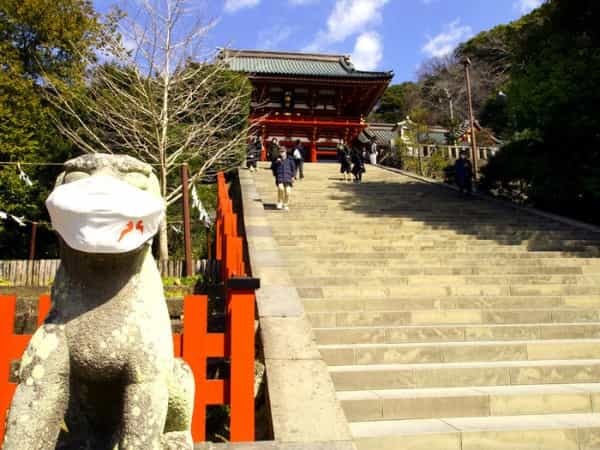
(195, 345)
(41, 272)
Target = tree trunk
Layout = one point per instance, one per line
(163, 238)
(163, 241)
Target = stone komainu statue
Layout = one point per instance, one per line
(99, 374)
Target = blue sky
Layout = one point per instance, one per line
(393, 35)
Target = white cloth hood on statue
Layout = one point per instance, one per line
(102, 214)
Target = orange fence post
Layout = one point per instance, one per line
(197, 346)
(195, 322)
(241, 384)
(12, 348)
(7, 314)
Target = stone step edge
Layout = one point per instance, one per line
(464, 426)
(367, 346)
(501, 390)
(463, 365)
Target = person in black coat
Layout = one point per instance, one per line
(345, 160)
(358, 165)
(463, 172)
(253, 153)
(283, 169)
(298, 155)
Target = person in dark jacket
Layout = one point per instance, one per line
(463, 172)
(345, 160)
(253, 153)
(283, 169)
(273, 149)
(298, 155)
(358, 165)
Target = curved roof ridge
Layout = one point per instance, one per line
(238, 53)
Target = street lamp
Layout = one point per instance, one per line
(467, 64)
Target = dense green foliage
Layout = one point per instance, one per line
(551, 111)
(536, 84)
(37, 38)
(396, 103)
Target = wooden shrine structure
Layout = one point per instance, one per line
(316, 98)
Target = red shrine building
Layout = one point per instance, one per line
(318, 99)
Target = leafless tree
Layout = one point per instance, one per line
(442, 80)
(154, 95)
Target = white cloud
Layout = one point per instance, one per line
(526, 6)
(368, 51)
(269, 39)
(348, 17)
(442, 44)
(301, 2)
(232, 6)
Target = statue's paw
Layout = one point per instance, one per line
(177, 440)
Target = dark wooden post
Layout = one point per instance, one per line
(475, 156)
(32, 241)
(187, 233)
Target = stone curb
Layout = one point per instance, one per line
(271, 445)
(305, 411)
(527, 209)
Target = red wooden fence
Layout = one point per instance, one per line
(195, 345)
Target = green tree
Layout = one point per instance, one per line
(396, 103)
(36, 37)
(552, 106)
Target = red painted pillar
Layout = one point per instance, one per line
(313, 151)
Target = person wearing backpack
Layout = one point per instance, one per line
(298, 154)
(358, 165)
(345, 160)
(283, 169)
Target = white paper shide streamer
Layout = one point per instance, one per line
(202, 213)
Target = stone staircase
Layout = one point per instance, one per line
(446, 323)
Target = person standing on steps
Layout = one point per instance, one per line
(358, 165)
(463, 172)
(283, 169)
(273, 149)
(373, 152)
(298, 154)
(345, 160)
(252, 155)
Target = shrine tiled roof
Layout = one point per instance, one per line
(297, 64)
(383, 133)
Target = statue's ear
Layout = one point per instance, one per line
(153, 185)
(59, 179)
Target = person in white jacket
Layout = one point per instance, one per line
(373, 152)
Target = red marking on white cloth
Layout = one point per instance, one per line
(128, 229)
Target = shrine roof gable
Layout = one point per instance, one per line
(290, 64)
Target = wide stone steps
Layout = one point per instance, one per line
(439, 352)
(366, 304)
(452, 317)
(517, 432)
(323, 262)
(442, 280)
(421, 290)
(446, 324)
(476, 401)
(455, 333)
(464, 374)
(367, 271)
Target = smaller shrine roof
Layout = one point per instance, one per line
(382, 132)
(297, 64)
